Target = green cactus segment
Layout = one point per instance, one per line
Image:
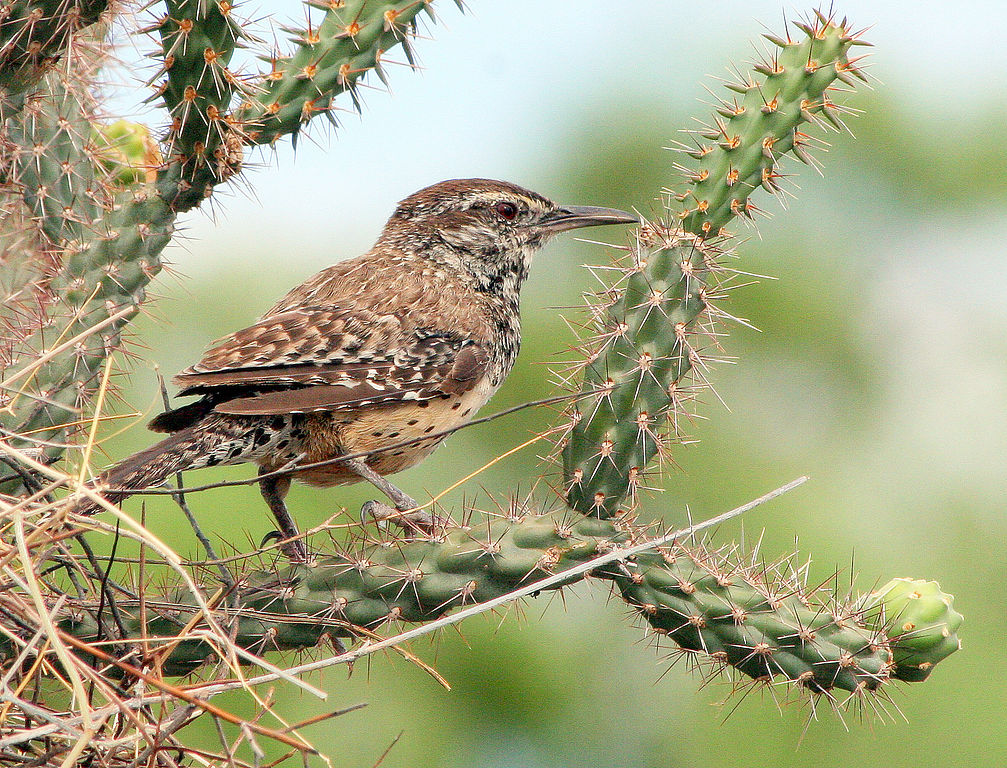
(106, 275)
(640, 354)
(921, 621)
(99, 247)
(50, 162)
(739, 154)
(330, 59)
(95, 283)
(97, 280)
(34, 35)
(710, 605)
(198, 38)
(413, 581)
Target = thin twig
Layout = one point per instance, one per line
(105, 593)
(183, 694)
(45, 621)
(387, 750)
(179, 497)
(133, 529)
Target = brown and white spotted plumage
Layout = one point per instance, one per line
(410, 339)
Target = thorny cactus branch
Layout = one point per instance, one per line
(329, 60)
(50, 159)
(645, 332)
(791, 86)
(719, 607)
(633, 367)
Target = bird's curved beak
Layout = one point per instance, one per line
(576, 216)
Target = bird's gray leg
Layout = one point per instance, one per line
(402, 501)
(274, 490)
(406, 513)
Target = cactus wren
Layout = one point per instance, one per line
(410, 339)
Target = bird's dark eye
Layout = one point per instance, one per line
(506, 210)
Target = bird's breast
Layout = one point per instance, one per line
(394, 437)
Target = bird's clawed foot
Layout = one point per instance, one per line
(415, 521)
(274, 488)
(402, 500)
(406, 513)
(294, 548)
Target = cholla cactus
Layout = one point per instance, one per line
(89, 204)
(719, 608)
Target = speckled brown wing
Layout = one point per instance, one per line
(327, 359)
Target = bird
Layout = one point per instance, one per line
(403, 343)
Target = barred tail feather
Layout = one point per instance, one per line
(153, 465)
(145, 469)
(217, 440)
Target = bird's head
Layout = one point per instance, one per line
(486, 229)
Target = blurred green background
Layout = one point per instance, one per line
(880, 369)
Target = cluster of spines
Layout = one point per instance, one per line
(50, 161)
(34, 35)
(643, 357)
(740, 153)
(734, 613)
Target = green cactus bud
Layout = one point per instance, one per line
(126, 152)
(921, 621)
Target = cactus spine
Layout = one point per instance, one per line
(645, 327)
